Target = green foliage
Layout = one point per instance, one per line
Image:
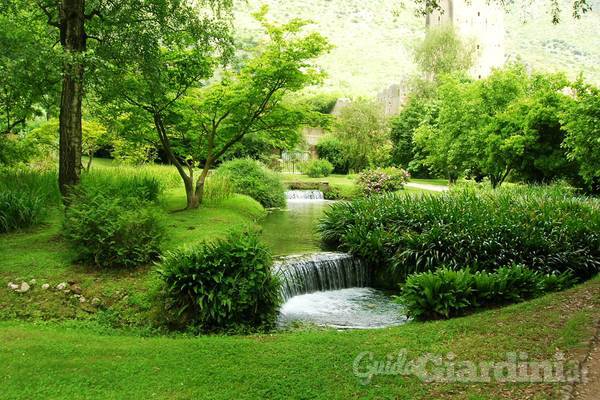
(582, 123)
(113, 232)
(446, 293)
(381, 180)
(331, 149)
(417, 110)
(443, 51)
(25, 197)
(218, 188)
(253, 179)
(506, 124)
(322, 102)
(111, 183)
(546, 229)
(317, 168)
(227, 284)
(363, 130)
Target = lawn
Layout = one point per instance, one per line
(76, 360)
(41, 254)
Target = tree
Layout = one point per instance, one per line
(94, 136)
(79, 23)
(443, 51)
(26, 76)
(362, 128)
(198, 126)
(581, 122)
(448, 148)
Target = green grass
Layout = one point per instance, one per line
(40, 253)
(76, 360)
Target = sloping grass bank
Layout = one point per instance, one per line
(41, 253)
(75, 361)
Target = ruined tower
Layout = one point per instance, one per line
(476, 20)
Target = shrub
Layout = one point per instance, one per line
(542, 228)
(331, 149)
(223, 285)
(446, 293)
(382, 180)
(317, 168)
(113, 232)
(25, 197)
(251, 178)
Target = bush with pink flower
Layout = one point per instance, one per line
(382, 180)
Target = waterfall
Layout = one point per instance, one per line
(320, 271)
(304, 195)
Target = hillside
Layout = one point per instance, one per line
(373, 39)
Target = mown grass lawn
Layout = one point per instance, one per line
(82, 361)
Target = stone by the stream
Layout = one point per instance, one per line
(76, 289)
(12, 286)
(45, 286)
(23, 288)
(95, 301)
(61, 286)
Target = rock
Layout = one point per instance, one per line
(45, 286)
(76, 289)
(76, 296)
(12, 286)
(32, 282)
(82, 299)
(66, 291)
(23, 288)
(95, 301)
(61, 286)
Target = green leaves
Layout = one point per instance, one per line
(222, 285)
(446, 293)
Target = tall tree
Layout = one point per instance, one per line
(197, 126)
(581, 121)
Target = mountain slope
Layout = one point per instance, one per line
(373, 39)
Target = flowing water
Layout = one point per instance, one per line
(323, 288)
(352, 308)
(320, 271)
(292, 230)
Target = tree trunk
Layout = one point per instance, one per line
(72, 37)
(90, 159)
(199, 192)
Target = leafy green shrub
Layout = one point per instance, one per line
(543, 228)
(25, 197)
(223, 285)
(111, 183)
(251, 178)
(331, 149)
(382, 180)
(446, 293)
(112, 231)
(317, 168)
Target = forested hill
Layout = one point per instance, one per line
(373, 39)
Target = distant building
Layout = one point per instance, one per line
(392, 98)
(476, 19)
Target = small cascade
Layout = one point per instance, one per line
(304, 195)
(320, 271)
